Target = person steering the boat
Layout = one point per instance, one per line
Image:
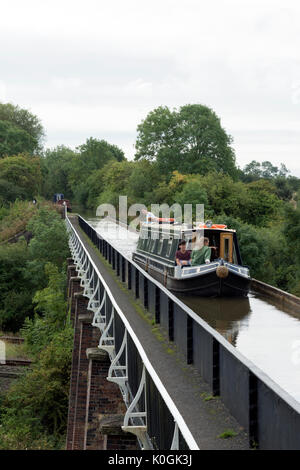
(150, 217)
(183, 256)
(201, 252)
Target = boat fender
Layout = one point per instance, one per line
(222, 271)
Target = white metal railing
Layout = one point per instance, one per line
(135, 419)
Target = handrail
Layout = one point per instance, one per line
(187, 435)
(292, 402)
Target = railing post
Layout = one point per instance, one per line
(118, 263)
(253, 411)
(113, 258)
(129, 275)
(137, 284)
(157, 304)
(146, 292)
(122, 269)
(171, 319)
(216, 368)
(190, 340)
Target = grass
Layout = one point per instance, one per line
(208, 396)
(227, 434)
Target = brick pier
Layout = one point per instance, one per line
(96, 407)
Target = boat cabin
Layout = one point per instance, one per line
(160, 242)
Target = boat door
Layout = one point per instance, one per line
(226, 246)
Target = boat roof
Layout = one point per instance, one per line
(181, 227)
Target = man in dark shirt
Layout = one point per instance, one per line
(183, 256)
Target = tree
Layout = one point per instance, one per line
(192, 193)
(14, 140)
(190, 140)
(56, 168)
(91, 156)
(16, 293)
(9, 192)
(23, 173)
(262, 204)
(256, 170)
(252, 171)
(143, 181)
(22, 119)
(115, 181)
(49, 244)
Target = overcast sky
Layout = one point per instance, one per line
(96, 68)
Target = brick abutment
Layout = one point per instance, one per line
(93, 400)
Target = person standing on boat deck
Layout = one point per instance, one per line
(183, 256)
(150, 217)
(201, 253)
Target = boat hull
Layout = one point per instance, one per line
(204, 285)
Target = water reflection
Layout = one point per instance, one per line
(265, 331)
(226, 315)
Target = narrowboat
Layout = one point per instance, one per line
(224, 275)
(58, 198)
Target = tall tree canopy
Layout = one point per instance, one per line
(14, 140)
(190, 140)
(56, 167)
(20, 130)
(20, 176)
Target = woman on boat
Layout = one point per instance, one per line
(183, 256)
(201, 252)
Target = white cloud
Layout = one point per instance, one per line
(2, 91)
(97, 68)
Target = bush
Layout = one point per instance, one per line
(16, 292)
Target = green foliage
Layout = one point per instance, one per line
(190, 140)
(20, 176)
(192, 193)
(263, 204)
(256, 170)
(115, 181)
(227, 434)
(91, 156)
(13, 219)
(21, 266)
(76, 174)
(14, 140)
(50, 312)
(24, 120)
(15, 299)
(56, 166)
(49, 244)
(33, 414)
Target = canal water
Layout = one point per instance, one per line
(263, 331)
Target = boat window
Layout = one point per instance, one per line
(169, 246)
(148, 245)
(152, 245)
(226, 246)
(160, 245)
